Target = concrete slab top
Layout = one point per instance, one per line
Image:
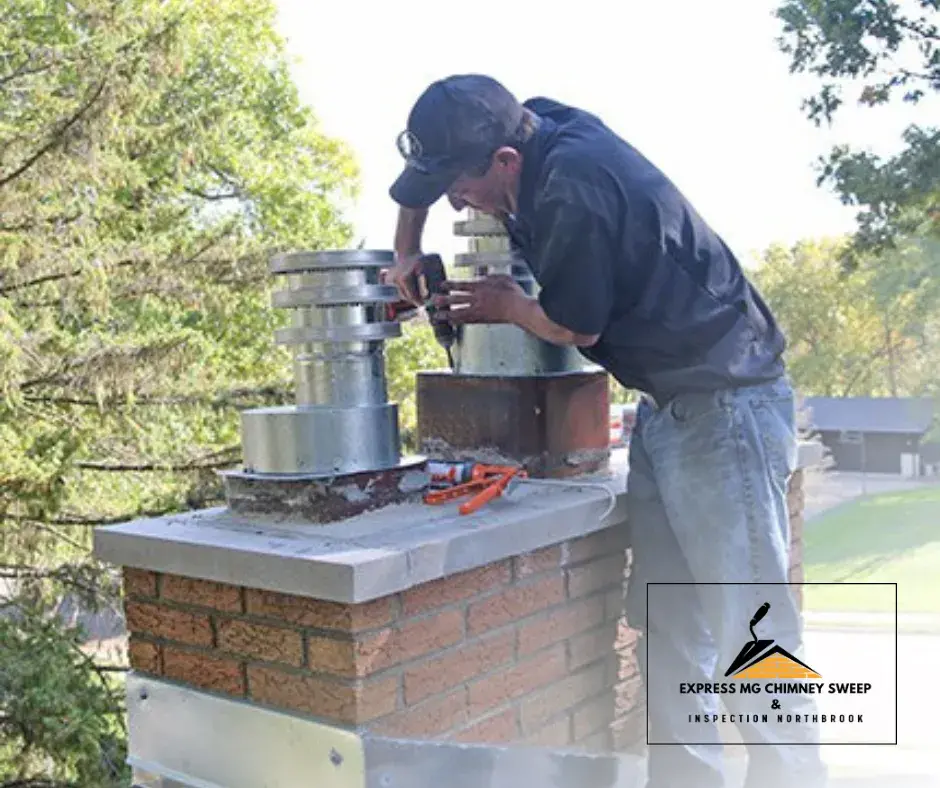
(376, 553)
(373, 554)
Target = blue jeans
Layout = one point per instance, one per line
(707, 503)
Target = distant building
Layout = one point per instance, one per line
(876, 434)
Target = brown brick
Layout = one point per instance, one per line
(796, 588)
(144, 656)
(629, 694)
(627, 664)
(499, 688)
(347, 703)
(170, 624)
(798, 597)
(591, 646)
(318, 613)
(796, 494)
(374, 652)
(598, 545)
(796, 553)
(204, 593)
(796, 504)
(139, 582)
(259, 641)
(455, 588)
(204, 670)
(533, 563)
(595, 715)
(514, 603)
(555, 734)
(332, 655)
(429, 719)
(413, 639)
(602, 573)
(557, 625)
(626, 636)
(796, 528)
(537, 710)
(796, 537)
(498, 728)
(458, 665)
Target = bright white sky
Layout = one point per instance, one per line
(699, 87)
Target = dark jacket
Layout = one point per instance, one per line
(618, 251)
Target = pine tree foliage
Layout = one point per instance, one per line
(153, 155)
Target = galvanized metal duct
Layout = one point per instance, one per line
(184, 738)
(503, 350)
(342, 422)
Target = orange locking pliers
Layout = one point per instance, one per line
(488, 482)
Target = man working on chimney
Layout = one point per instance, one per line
(633, 276)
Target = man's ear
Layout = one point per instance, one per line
(508, 158)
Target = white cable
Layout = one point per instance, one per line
(612, 496)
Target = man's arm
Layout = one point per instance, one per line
(575, 271)
(408, 232)
(500, 299)
(533, 319)
(575, 264)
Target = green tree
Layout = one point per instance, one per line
(832, 331)
(153, 155)
(872, 330)
(904, 285)
(882, 50)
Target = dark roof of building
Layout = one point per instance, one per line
(908, 415)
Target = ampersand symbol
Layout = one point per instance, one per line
(775, 704)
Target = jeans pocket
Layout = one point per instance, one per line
(776, 420)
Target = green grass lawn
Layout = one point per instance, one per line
(889, 538)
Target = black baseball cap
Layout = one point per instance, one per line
(455, 126)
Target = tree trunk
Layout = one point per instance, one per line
(892, 361)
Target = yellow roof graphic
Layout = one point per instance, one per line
(777, 666)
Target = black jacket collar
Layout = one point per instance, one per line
(534, 153)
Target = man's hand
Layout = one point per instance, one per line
(499, 299)
(495, 299)
(402, 276)
(407, 253)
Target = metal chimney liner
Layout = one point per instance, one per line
(503, 350)
(342, 422)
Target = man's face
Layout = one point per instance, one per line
(492, 192)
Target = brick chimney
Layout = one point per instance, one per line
(327, 607)
(502, 627)
(519, 649)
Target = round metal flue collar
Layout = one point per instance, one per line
(297, 262)
(342, 421)
(502, 349)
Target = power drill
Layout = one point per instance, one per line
(431, 267)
